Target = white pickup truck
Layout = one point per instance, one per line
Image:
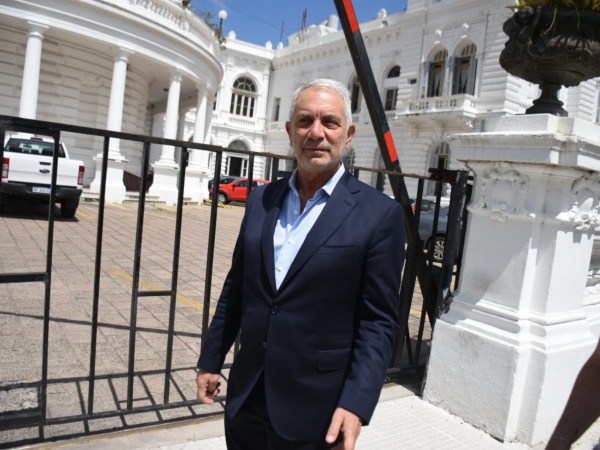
(27, 172)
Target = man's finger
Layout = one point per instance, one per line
(213, 389)
(208, 387)
(334, 429)
(349, 441)
(346, 423)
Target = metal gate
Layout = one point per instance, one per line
(39, 406)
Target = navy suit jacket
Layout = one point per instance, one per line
(324, 339)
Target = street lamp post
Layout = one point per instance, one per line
(219, 32)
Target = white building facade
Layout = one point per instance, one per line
(119, 65)
(155, 68)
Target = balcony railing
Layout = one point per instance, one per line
(172, 15)
(231, 119)
(463, 103)
(236, 120)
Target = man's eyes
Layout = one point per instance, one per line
(327, 123)
(331, 123)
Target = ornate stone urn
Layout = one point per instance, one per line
(552, 47)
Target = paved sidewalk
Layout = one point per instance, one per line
(401, 421)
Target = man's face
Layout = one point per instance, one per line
(318, 133)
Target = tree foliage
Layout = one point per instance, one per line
(206, 16)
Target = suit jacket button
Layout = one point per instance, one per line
(274, 310)
(264, 344)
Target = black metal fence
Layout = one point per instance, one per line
(426, 292)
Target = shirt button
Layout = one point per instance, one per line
(295, 213)
(274, 310)
(290, 241)
(279, 268)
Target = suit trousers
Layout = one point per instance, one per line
(251, 427)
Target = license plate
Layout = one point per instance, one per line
(41, 190)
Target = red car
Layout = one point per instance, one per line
(237, 190)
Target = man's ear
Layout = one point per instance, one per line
(351, 131)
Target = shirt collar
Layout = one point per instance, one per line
(327, 187)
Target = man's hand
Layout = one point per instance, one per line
(208, 386)
(347, 423)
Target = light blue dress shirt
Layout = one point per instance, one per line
(293, 227)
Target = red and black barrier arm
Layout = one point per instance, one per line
(370, 93)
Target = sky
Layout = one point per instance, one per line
(259, 21)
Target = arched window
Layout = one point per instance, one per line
(243, 97)
(238, 145)
(355, 95)
(437, 67)
(237, 164)
(465, 68)
(390, 88)
(394, 72)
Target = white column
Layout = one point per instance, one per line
(115, 189)
(196, 183)
(31, 71)
(199, 127)
(117, 97)
(209, 116)
(166, 169)
(505, 356)
(208, 129)
(167, 156)
(180, 133)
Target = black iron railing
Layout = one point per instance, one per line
(409, 358)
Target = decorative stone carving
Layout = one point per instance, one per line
(583, 220)
(503, 192)
(585, 210)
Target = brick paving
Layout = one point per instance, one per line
(23, 249)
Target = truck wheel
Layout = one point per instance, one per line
(66, 211)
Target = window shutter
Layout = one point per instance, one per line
(232, 106)
(424, 78)
(455, 76)
(449, 71)
(472, 75)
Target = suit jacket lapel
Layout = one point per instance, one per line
(273, 201)
(338, 206)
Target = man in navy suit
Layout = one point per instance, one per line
(313, 289)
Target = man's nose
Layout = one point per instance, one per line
(316, 130)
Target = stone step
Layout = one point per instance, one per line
(134, 197)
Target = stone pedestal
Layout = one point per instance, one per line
(196, 184)
(504, 358)
(164, 184)
(115, 188)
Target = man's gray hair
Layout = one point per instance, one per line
(326, 84)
